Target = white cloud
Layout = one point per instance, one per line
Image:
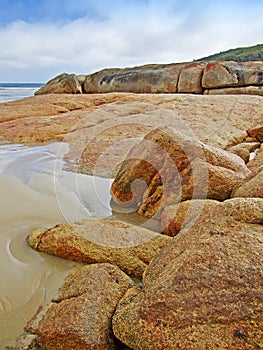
(152, 33)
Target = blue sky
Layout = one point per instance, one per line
(43, 38)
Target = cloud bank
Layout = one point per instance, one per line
(124, 34)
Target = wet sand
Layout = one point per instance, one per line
(37, 192)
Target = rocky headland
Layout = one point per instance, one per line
(183, 143)
(227, 77)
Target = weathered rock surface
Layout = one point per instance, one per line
(244, 210)
(168, 167)
(176, 217)
(244, 90)
(99, 240)
(224, 74)
(189, 213)
(25, 341)
(169, 78)
(256, 132)
(105, 127)
(251, 186)
(81, 79)
(145, 79)
(189, 77)
(80, 316)
(203, 291)
(62, 84)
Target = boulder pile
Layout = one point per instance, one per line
(195, 284)
(205, 289)
(169, 167)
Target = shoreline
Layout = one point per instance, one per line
(37, 192)
(102, 129)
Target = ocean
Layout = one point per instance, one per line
(16, 91)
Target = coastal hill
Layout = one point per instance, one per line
(240, 54)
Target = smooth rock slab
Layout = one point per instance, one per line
(103, 122)
(96, 240)
(203, 291)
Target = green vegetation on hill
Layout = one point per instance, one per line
(241, 54)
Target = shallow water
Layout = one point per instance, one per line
(37, 192)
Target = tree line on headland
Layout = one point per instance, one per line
(241, 54)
